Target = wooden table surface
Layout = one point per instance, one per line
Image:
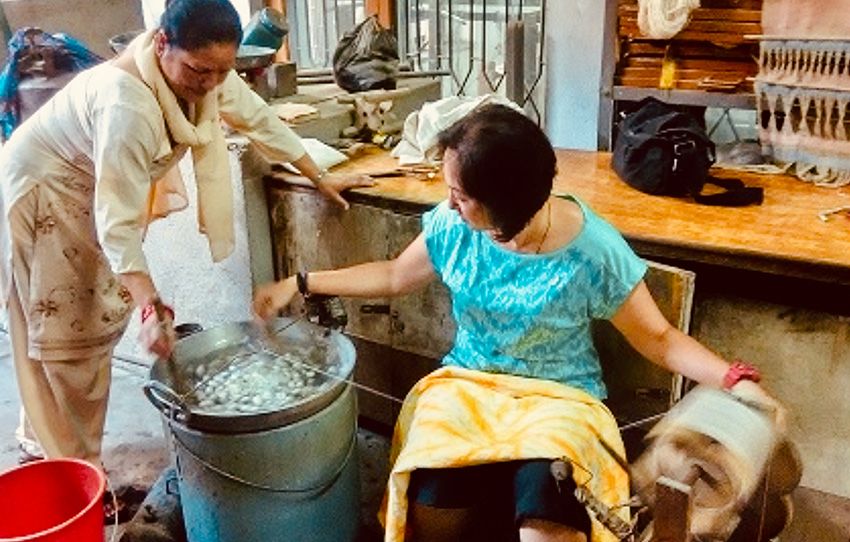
(783, 236)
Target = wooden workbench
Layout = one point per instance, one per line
(783, 236)
(772, 284)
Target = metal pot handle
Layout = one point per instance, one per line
(316, 489)
(166, 401)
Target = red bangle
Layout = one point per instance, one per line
(740, 371)
(151, 307)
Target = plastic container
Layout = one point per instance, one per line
(53, 500)
(266, 28)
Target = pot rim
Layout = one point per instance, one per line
(169, 402)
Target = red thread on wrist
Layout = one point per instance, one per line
(738, 371)
(150, 309)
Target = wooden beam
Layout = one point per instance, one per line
(671, 521)
(282, 54)
(610, 59)
(514, 62)
(384, 10)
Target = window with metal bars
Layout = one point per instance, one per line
(476, 46)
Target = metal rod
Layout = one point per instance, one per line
(404, 26)
(403, 70)
(330, 33)
(450, 22)
(471, 60)
(484, 43)
(540, 63)
(327, 79)
(418, 35)
(438, 34)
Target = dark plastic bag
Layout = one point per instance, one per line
(662, 151)
(366, 58)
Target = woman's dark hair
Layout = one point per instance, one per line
(194, 24)
(505, 162)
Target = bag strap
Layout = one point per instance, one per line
(736, 194)
(685, 134)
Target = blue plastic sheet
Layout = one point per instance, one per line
(69, 55)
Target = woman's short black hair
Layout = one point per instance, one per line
(505, 162)
(194, 24)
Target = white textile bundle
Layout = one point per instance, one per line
(663, 19)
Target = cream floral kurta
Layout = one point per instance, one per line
(92, 153)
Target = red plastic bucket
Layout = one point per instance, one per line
(51, 501)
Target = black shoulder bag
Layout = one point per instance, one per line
(666, 152)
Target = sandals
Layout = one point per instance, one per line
(128, 499)
(27, 455)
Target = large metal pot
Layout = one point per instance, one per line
(172, 381)
(290, 473)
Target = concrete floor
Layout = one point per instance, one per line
(135, 453)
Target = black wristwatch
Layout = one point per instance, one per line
(301, 281)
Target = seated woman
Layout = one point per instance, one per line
(522, 385)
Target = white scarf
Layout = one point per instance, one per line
(209, 149)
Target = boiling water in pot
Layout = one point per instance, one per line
(248, 378)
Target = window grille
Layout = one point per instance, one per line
(463, 41)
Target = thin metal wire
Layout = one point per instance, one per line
(232, 359)
(272, 348)
(643, 421)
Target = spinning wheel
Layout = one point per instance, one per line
(716, 469)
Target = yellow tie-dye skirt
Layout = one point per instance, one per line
(457, 417)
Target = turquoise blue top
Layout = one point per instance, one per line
(530, 314)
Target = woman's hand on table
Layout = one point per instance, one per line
(272, 297)
(332, 185)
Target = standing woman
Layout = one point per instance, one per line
(522, 385)
(82, 178)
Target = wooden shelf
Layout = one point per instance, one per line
(714, 59)
(687, 97)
